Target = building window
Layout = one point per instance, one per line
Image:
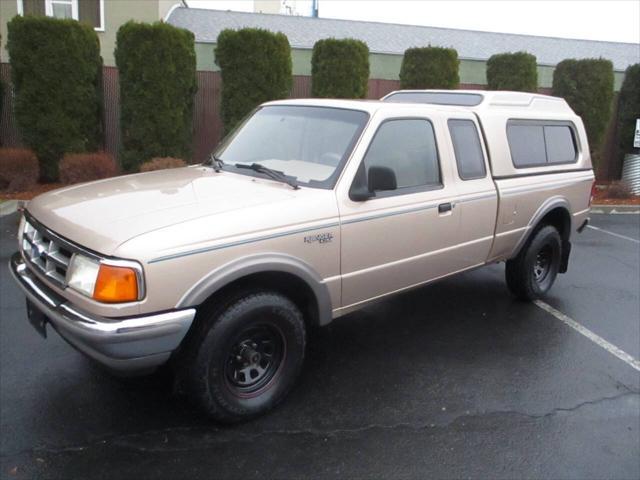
(86, 11)
(61, 8)
(31, 7)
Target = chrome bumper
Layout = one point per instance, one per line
(126, 345)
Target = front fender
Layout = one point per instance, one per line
(260, 263)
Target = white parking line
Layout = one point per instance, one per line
(597, 339)
(614, 234)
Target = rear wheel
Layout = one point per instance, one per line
(532, 273)
(247, 356)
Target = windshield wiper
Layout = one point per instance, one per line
(215, 162)
(269, 172)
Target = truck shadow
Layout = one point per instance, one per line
(408, 356)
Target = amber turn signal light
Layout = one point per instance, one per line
(116, 284)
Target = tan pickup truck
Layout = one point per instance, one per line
(309, 210)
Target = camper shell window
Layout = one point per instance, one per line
(537, 143)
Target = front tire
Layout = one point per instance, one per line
(532, 273)
(248, 357)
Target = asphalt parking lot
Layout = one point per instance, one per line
(452, 380)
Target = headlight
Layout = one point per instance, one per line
(107, 281)
(82, 274)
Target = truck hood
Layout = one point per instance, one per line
(104, 214)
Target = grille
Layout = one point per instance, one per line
(46, 253)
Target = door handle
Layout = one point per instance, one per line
(445, 207)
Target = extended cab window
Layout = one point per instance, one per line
(467, 149)
(408, 147)
(535, 144)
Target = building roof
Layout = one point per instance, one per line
(388, 38)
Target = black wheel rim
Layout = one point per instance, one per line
(254, 359)
(542, 265)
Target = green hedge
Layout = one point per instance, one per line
(430, 67)
(512, 71)
(587, 85)
(1, 92)
(628, 109)
(340, 68)
(157, 67)
(1, 100)
(256, 67)
(56, 72)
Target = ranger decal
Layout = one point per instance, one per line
(320, 238)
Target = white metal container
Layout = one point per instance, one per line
(631, 172)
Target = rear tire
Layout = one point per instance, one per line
(532, 273)
(246, 357)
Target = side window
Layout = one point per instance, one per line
(408, 147)
(467, 149)
(561, 147)
(537, 143)
(527, 145)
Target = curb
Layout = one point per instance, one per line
(616, 209)
(11, 206)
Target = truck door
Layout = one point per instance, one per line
(400, 237)
(477, 196)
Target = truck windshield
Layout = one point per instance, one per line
(306, 143)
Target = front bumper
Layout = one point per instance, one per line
(126, 345)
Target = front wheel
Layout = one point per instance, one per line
(248, 357)
(532, 273)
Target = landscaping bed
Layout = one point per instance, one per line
(614, 193)
(635, 200)
(31, 193)
(20, 172)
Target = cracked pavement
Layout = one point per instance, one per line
(452, 380)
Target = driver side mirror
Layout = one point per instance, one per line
(379, 179)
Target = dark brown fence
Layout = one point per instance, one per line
(9, 136)
(301, 87)
(111, 92)
(207, 125)
(206, 115)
